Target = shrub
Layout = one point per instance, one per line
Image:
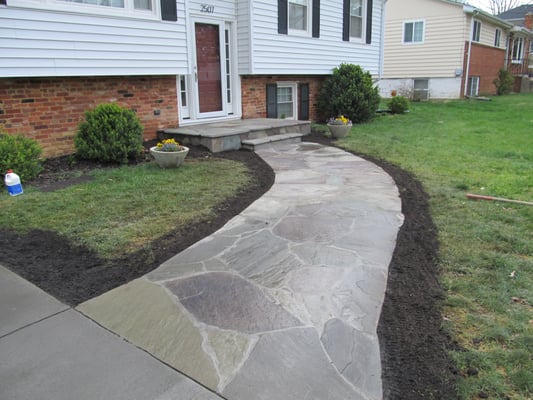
(504, 82)
(109, 134)
(398, 104)
(348, 91)
(20, 154)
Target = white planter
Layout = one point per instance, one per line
(339, 131)
(169, 159)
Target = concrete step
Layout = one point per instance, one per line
(228, 135)
(254, 144)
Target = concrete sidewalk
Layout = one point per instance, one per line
(281, 303)
(50, 351)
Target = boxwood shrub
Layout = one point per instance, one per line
(109, 133)
(21, 154)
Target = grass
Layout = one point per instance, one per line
(124, 209)
(486, 248)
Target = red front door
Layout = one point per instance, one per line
(208, 67)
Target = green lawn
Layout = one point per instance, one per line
(124, 209)
(486, 253)
(486, 248)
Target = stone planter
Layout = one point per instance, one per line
(169, 159)
(339, 131)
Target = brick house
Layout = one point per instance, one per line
(520, 53)
(176, 62)
(442, 49)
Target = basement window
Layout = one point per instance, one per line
(472, 89)
(286, 100)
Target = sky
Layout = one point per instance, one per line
(485, 4)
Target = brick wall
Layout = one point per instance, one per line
(50, 109)
(253, 90)
(485, 62)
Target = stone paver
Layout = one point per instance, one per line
(283, 302)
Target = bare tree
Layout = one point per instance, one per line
(500, 6)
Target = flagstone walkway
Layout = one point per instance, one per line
(282, 302)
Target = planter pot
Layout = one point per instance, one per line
(169, 159)
(339, 131)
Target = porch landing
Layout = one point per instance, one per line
(237, 134)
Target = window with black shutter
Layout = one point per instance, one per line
(369, 7)
(283, 14)
(294, 15)
(272, 100)
(316, 18)
(168, 10)
(353, 19)
(303, 109)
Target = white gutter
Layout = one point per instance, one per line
(469, 53)
(382, 45)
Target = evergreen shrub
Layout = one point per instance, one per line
(20, 154)
(504, 82)
(349, 91)
(109, 133)
(398, 104)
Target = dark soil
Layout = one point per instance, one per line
(413, 346)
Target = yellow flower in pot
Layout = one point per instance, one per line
(169, 153)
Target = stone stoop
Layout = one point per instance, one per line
(254, 144)
(237, 134)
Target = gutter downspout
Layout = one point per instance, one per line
(382, 45)
(468, 55)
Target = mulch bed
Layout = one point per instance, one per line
(413, 346)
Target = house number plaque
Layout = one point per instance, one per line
(207, 8)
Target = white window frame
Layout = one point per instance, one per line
(518, 55)
(127, 11)
(476, 31)
(183, 96)
(363, 21)
(413, 36)
(421, 93)
(294, 88)
(470, 86)
(307, 15)
(498, 37)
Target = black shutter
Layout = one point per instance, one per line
(282, 16)
(272, 100)
(168, 10)
(316, 18)
(369, 22)
(4, 2)
(346, 21)
(303, 108)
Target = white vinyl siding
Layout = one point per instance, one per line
(244, 35)
(219, 9)
(274, 53)
(42, 43)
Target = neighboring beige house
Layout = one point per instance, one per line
(441, 49)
